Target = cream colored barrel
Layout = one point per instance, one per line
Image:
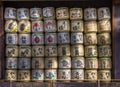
(91, 63)
(77, 75)
(91, 51)
(11, 26)
(63, 25)
(77, 50)
(24, 75)
(91, 75)
(11, 39)
(37, 26)
(90, 39)
(48, 13)
(63, 38)
(104, 26)
(105, 51)
(11, 75)
(24, 39)
(25, 51)
(76, 38)
(37, 39)
(78, 62)
(10, 13)
(12, 51)
(64, 62)
(50, 25)
(64, 75)
(23, 14)
(62, 13)
(63, 50)
(76, 13)
(37, 75)
(51, 63)
(77, 26)
(104, 13)
(24, 26)
(51, 51)
(38, 51)
(104, 75)
(24, 63)
(104, 39)
(35, 13)
(90, 14)
(50, 38)
(38, 63)
(11, 63)
(50, 74)
(105, 63)
(90, 27)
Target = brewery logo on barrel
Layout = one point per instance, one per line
(77, 26)
(50, 38)
(36, 13)
(50, 74)
(63, 25)
(11, 39)
(63, 38)
(11, 51)
(37, 51)
(10, 13)
(76, 13)
(22, 13)
(37, 75)
(48, 12)
(25, 51)
(37, 26)
(50, 26)
(11, 26)
(37, 39)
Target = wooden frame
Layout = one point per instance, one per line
(115, 6)
(116, 49)
(57, 3)
(2, 56)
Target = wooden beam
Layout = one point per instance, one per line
(2, 56)
(116, 1)
(116, 41)
(56, 0)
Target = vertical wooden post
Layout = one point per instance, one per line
(116, 41)
(2, 56)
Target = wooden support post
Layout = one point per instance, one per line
(1, 43)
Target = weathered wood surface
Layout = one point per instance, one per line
(116, 42)
(30, 84)
(1, 42)
(75, 84)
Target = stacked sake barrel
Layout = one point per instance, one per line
(77, 48)
(50, 44)
(11, 44)
(64, 59)
(104, 44)
(24, 30)
(90, 42)
(49, 49)
(37, 44)
(19, 42)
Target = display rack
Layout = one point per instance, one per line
(115, 20)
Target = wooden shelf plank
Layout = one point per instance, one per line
(75, 84)
(56, 0)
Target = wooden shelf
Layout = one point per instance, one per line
(59, 84)
(59, 3)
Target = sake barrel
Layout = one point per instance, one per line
(62, 13)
